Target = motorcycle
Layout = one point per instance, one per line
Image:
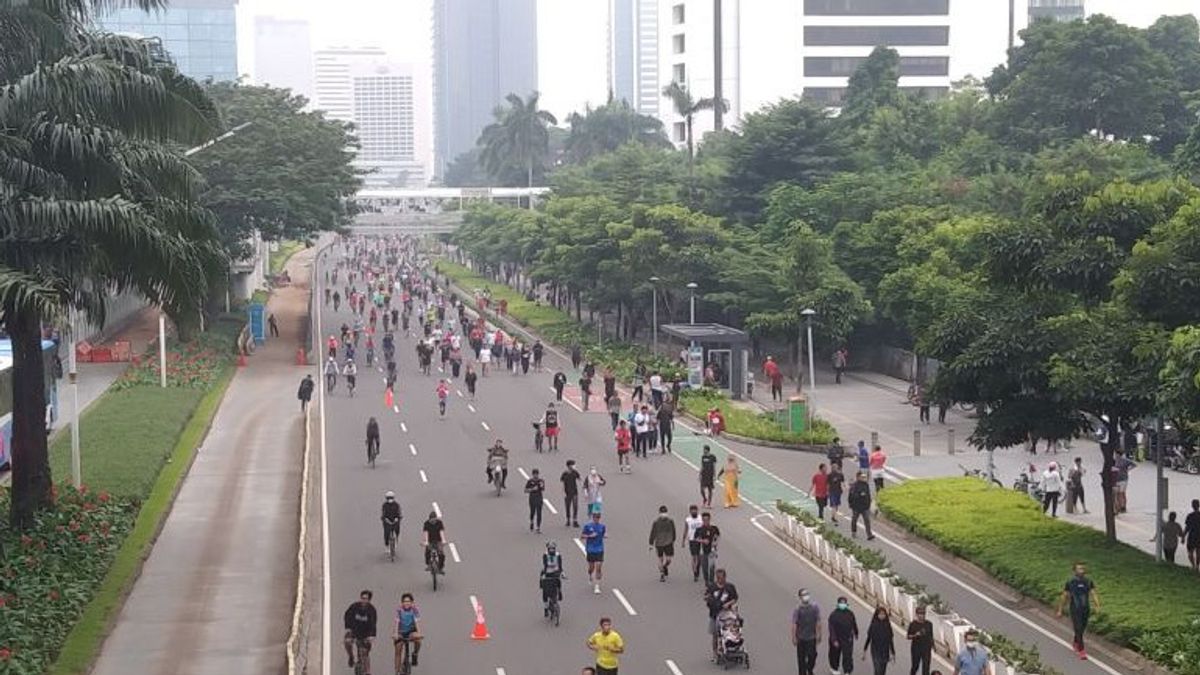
(1029, 484)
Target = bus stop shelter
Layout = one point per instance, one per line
(723, 347)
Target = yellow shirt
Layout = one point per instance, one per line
(605, 644)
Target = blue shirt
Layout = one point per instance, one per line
(594, 544)
(407, 619)
(864, 457)
(971, 661)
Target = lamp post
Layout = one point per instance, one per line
(692, 287)
(654, 312)
(812, 373)
(76, 462)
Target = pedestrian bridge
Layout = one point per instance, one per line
(429, 210)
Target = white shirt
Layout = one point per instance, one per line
(591, 487)
(693, 523)
(641, 423)
(656, 383)
(1052, 481)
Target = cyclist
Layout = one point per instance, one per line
(351, 373)
(389, 346)
(337, 299)
(433, 538)
(408, 629)
(550, 422)
(331, 373)
(359, 622)
(370, 350)
(332, 345)
(498, 453)
(551, 577)
(390, 514)
(391, 374)
(327, 291)
(443, 392)
(372, 438)
(351, 351)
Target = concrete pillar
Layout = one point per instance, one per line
(916, 442)
(950, 441)
(874, 439)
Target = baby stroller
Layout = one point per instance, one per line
(731, 644)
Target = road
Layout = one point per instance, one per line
(429, 461)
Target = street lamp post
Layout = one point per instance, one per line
(812, 373)
(692, 287)
(76, 462)
(654, 312)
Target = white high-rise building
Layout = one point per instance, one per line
(283, 54)
(633, 66)
(362, 86)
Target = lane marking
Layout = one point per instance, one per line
(437, 509)
(550, 506)
(485, 426)
(673, 668)
(470, 407)
(474, 603)
(500, 671)
(413, 449)
(459, 392)
(454, 553)
(625, 603)
(326, 663)
(566, 400)
(579, 543)
(424, 478)
(404, 427)
(521, 470)
(396, 409)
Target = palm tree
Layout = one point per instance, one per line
(519, 137)
(91, 200)
(687, 107)
(602, 130)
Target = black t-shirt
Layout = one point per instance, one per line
(570, 481)
(535, 487)
(707, 535)
(434, 529)
(719, 596)
(390, 511)
(551, 418)
(360, 620)
(1191, 526)
(708, 466)
(835, 481)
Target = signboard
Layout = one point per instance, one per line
(695, 366)
(258, 323)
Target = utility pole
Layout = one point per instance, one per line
(1012, 23)
(718, 85)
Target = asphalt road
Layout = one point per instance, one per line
(495, 558)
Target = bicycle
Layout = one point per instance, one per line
(330, 381)
(553, 608)
(372, 451)
(437, 559)
(441, 406)
(405, 665)
(981, 475)
(350, 383)
(497, 470)
(362, 654)
(392, 535)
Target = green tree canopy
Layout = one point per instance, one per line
(875, 84)
(598, 131)
(519, 138)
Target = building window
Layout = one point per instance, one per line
(678, 43)
(844, 66)
(677, 14)
(830, 96)
(874, 36)
(679, 132)
(679, 73)
(877, 7)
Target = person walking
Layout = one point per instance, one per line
(305, 392)
(806, 633)
(666, 426)
(876, 463)
(1122, 465)
(730, 474)
(691, 524)
(570, 481)
(1075, 486)
(920, 638)
(576, 356)
(863, 455)
(1052, 486)
(1191, 535)
(719, 596)
(775, 375)
(972, 659)
(470, 378)
(625, 442)
(880, 642)
(836, 482)
(614, 409)
(1172, 532)
(641, 431)
(560, 381)
(843, 631)
(273, 325)
(840, 358)
(585, 390)
(535, 487)
(820, 489)
(662, 540)
(608, 646)
(708, 472)
(591, 490)
(859, 499)
(1080, 592)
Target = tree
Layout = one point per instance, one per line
(875, 84)
(632, 174)
(288, 175)
(1177, 39)
(518, 138)
(599, 131)
(466, 171)
(687, 107)
(92, 199)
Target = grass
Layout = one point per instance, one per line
(1006, 533)
(744, 422)
(287, 248)
(83, 642)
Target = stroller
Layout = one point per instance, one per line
(731, 644)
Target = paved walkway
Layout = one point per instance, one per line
(216, 594)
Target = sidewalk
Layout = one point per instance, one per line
(867, 402)
(215, 595)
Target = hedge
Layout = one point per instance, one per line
(1144, 605)
(743, 422)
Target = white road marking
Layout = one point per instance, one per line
(437, 509)
(424, 478)
(326, 651)
(579, 543)
(500, 671)
(673, 668)
(474, 604)
(550, 506)
(470, 407)
(624, 603)
(396, 409)
(568, 401)
(521, 470)
(485, 426)
(404, 427)
(454, 553)
(459, 392)
(413, 449)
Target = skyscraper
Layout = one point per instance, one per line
(633, 53)
(283, 54)
(483, 50)
(200, 35)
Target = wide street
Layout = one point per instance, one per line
(438, 465)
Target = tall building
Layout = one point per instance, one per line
(283, 54)
(483, 50)
(633, 54)
(1057, 10)
(200, 35)
(361, 85)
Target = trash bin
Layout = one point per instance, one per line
(797, 413)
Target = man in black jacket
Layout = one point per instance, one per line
(359, 621)
(305, 392)
(843, 631)
(560, 381)
(859, 499)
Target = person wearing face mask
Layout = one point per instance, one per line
(920, 635)
(1080, 591)
(843, 631)
(973, 658)
(806, 633)
(880, 641)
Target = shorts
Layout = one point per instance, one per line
(1193, 544)
(706, 481)
(1120, 486)
(622, 451)
(595, 557)
(601, 670)
(694, 547)
(668, 550)
(835, 499)
(551, 432)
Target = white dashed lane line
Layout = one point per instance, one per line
(413, 449)
(579, 543)
(424, 478)
(550, 506)
(470, 407)
(624, 603)
(673, 668)
(485, 426)
(454, 553)
(404, 427)
(437, 509)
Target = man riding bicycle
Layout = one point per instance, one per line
(359, 622)
(408, 629)
(433, 538)
(331, 373)
(351, 372)
(372, 438)
(498, 455)
(551, 576)
(391, 374)
(390, 514)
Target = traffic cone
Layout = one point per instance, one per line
(480, 632)
(387, 398)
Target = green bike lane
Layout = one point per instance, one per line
(758, 485)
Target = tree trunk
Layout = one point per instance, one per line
(31, 480)
(529, 181)
(1108, 451)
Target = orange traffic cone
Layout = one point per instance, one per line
(387, 398)
(480, 632)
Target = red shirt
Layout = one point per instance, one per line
(624, 438)
(820, 483)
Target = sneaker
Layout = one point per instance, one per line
(531, 527)
(662, 576)
(1083, 655)
(538, 530)
(596, 589)
(871, 538)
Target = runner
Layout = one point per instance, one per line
(624, 444)
(593, 534)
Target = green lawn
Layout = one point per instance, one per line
(287, 248)
(1006, 533)
(743, 422)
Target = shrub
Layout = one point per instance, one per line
(1006, 533)
(195, 364)
(748, 423)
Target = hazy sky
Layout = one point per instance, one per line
(571, 35)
